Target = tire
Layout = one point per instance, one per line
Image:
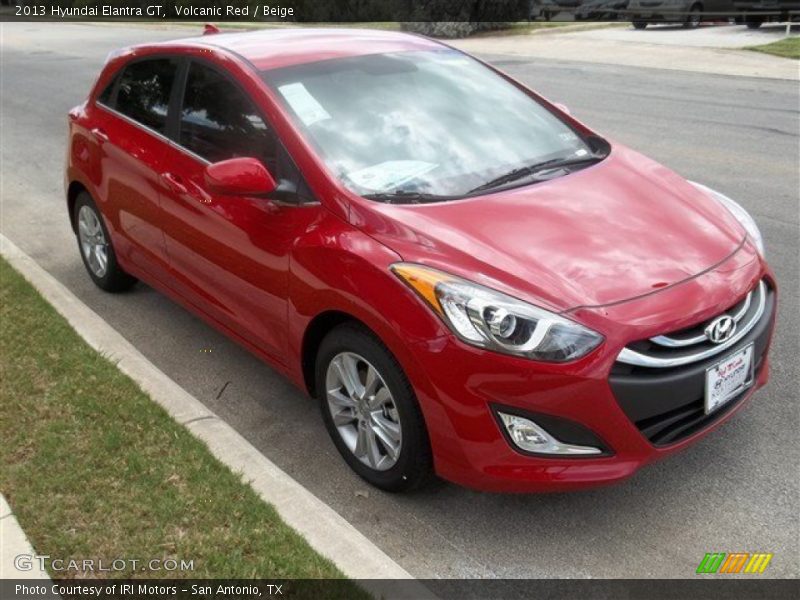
(94, 245)
(639, 24)
(753, 21)
(365, 430)
(694, 17)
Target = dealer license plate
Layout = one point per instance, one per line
(728, 378)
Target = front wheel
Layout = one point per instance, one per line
(639, 24)
(370, 410)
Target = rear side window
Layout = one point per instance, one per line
(218, 122)
(144, 92)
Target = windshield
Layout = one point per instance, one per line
(423, 125)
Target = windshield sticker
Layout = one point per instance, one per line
(390, 174)
(303, 103)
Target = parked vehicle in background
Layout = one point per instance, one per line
(757, 12)
(601, 10)
(688, 12)
(543, 10)
(548, 9)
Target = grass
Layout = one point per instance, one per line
(95, 469)
(788, 47)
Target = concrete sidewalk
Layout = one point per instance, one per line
(624, 47)
(13, 543)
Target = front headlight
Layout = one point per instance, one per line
(490, 319)
(737, 211)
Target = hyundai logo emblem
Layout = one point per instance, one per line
(721, 329)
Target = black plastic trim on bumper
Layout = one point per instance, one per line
(667, 405)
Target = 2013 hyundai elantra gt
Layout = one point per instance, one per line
(471, 281)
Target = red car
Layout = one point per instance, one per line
(471, 281)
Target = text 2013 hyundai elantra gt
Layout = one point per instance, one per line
(472, 282)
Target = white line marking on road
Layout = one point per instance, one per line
(322, 527)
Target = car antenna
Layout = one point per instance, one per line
(210, 29)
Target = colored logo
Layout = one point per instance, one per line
(734, 562)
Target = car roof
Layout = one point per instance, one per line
(275, 48)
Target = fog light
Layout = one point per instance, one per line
(528, 436)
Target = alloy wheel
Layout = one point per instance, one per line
(363, 411)
(93, 241)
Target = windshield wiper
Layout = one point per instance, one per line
(404, 197)
(547, 165)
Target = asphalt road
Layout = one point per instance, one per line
(737, 490)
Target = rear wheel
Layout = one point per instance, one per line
(96, 249)
(639, 24)
(370, 410)
(694, 17)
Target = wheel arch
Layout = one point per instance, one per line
(315, 332)
(73, 191)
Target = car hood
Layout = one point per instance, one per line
(622, 228)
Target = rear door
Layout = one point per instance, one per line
(230, 254)
(130, 130)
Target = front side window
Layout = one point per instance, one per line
(144, 92)
(436, 123)
(218, 122)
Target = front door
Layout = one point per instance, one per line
(229, 254)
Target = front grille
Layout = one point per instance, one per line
(692, 344)
(667, 403)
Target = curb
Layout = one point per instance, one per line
(327, 532)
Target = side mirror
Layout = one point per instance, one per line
(563, 108)
(239, 177)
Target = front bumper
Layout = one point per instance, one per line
(466, 383)
(667, 405)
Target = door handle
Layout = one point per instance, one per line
(100, 135)
(174, 183)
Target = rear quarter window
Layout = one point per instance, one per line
(106, 96)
